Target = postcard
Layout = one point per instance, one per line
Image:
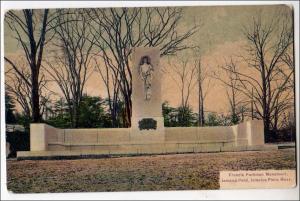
(150, 98)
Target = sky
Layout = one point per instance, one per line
(219, 37)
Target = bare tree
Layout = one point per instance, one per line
(237, 101)
(31, 30)
(70, 65)
(203, 85)
(288, 59)
(21, 89)
(184, 75)
(121, 29)
(110, 81)
(268, 42)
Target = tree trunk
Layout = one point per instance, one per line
(267, 129)
(128, 109)
(201, 120)
(199, 105)
(202, 114)
(36, 117)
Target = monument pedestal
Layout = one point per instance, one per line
(147, 123)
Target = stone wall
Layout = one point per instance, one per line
(47, 138)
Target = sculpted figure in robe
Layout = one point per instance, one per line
(146, 73)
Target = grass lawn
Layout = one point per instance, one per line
(162, 172)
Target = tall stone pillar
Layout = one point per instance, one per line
(147, 124)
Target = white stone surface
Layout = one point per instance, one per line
(142, 108)
(44, 137)
(38, 140)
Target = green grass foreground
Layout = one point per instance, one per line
(141, 173)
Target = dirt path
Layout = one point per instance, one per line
(163, 172)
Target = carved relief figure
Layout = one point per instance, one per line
(146, 73)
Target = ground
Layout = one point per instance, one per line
(161, 172)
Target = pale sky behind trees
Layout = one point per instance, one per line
(219, 36)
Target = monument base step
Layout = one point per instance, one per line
(142, 150)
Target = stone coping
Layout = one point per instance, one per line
(121, 129)
(148, 143)
(56, 155)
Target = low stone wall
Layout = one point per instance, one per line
(47, 138)
(199, 134)
(52, 143)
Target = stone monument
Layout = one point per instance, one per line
(147, 121)
(147, 134)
